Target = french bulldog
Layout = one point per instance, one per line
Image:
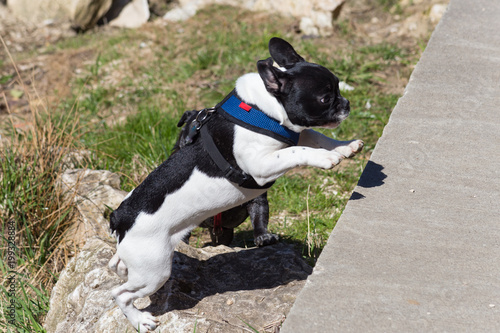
(236, 151)
(221, 226)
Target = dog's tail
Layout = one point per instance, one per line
(113, 221)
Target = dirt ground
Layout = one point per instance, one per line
(46, 75)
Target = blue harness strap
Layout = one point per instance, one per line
(249, 117)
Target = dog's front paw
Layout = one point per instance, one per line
(266, 239)
(357, 146)
(351, 149)
(326, 159)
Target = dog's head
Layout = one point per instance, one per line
(308, 92)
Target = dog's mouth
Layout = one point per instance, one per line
(333, 122)
(332, 125)
(339, 117)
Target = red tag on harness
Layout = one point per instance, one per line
(245, 107)
(218, 223)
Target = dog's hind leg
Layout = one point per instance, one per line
(258, 209)
(139, 285)
(125, 295)
(142, 283)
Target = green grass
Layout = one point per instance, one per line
(34, 216)
(125, 106)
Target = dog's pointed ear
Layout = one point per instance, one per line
(283, 53)
(274, 79)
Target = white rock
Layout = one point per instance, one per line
(181, 13)
(133, 15)
(437, 12)
(345, 87)
(316, 16)
(307, 27)
(368, 105)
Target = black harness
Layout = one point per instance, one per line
(233, 109)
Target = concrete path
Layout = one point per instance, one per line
(418, 246)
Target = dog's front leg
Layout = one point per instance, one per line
(313, 139)
(267, 159)
(270, 166)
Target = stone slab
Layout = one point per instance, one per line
(417, 248)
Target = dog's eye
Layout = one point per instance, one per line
(325, 100)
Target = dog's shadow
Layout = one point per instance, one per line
(372, 177)
(194, 279)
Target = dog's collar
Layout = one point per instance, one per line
(235, 110)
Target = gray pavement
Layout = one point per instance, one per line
(417, 248)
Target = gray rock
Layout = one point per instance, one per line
(82, 291)
(83, 14)
(215, 289)
(218, 289)
(316, 16)
(36, 12)
(93, 191)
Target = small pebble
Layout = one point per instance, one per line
(229, 302)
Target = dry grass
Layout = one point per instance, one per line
(32, 203)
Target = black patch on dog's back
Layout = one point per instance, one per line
(172, 174)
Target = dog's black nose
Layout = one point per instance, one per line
(343, 106)
(347, 104)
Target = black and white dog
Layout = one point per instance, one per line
(238, 149)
